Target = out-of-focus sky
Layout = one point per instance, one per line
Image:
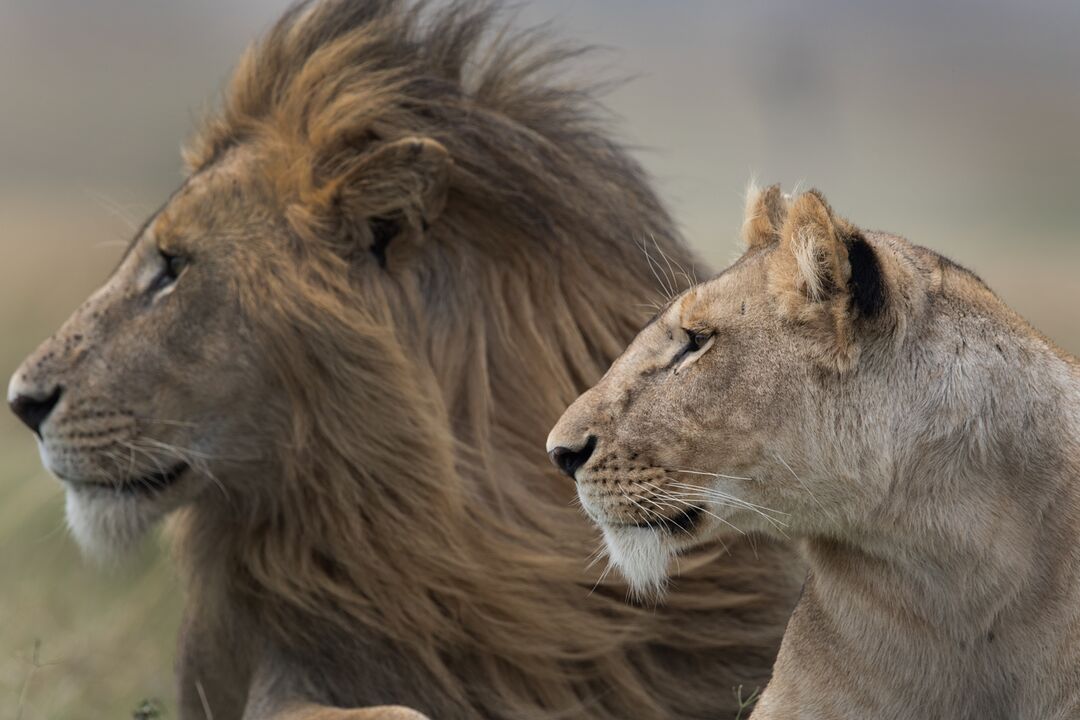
(953, 123)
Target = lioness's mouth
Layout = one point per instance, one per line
(148, 484)
(683, 521)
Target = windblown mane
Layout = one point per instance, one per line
(416, 547)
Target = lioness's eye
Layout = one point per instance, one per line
(697, 340)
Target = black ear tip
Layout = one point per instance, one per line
(867, 282)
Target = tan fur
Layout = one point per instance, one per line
(764, 216)
(877, 402)
(367, 518)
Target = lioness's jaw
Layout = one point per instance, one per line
(642, 556)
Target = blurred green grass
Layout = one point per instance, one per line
(76, 641)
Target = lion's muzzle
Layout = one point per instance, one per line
(33, 408)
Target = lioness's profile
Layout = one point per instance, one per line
(881, 404)
(333, 355)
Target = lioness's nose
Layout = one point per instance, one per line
(33, 410)
(570, 460)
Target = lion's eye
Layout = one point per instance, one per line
(173, 265)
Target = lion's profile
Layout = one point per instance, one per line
(400, 252)
(880, 404)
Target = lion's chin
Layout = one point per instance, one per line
(642, 555)
(108, 526)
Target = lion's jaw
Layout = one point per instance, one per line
(134, 430)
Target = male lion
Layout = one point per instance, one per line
(880, 403)
(332, 355)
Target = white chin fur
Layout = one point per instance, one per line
(106, 526)
(642, 556)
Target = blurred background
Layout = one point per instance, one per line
(954, 124)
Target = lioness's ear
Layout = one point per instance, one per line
(827, 278)
(764, 216)
(397, 188)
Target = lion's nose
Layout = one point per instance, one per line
(33, 410)
(570, 460)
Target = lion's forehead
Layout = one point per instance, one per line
(221, 194)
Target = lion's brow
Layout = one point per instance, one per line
(142, 230)
(154, 215)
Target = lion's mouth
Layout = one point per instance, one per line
(146, 485)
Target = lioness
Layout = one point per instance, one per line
(881, 404)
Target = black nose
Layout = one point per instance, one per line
(33, 410)
(570, 461)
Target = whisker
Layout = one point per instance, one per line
(160, 421)
(803, 485)
(603, 576)
(710, 474)
(670, 274)
(721, 495)
(672, 507)
(723, 499)
(648, 512)
(115, 209)
(668, 293)
(778, 525)
(674, 278)
(726, 496)
(595, 555)
(673, 498)
(180, 452)
(197, 460)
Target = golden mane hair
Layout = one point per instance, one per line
(412, 544)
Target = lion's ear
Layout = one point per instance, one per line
(397, 188)
(407, 177)
(827, 278)
(764, 217)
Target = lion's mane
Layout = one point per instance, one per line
(413, 545)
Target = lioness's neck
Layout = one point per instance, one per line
(949, 577)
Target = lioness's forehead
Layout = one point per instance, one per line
(733, 291)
